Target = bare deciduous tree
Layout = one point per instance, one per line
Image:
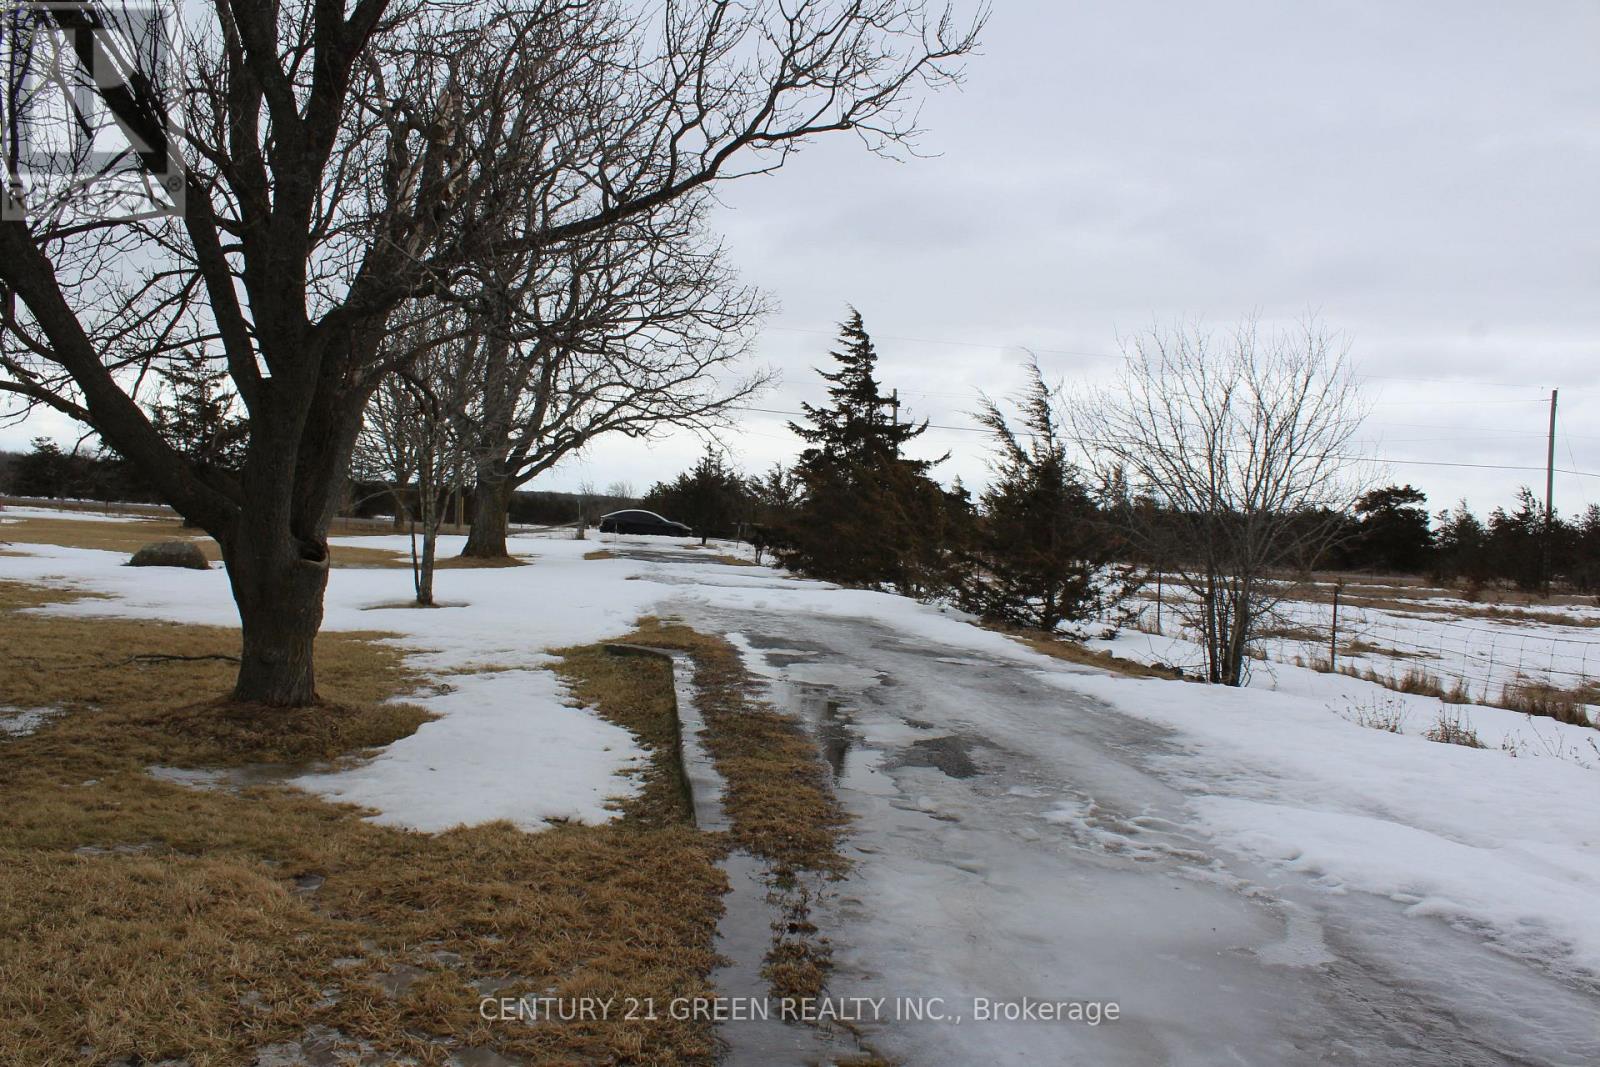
(340, 160)
(411, 432)
(626, 333)
(1237, 454)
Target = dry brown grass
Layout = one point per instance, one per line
(1361, 647)
(1416, 680)
(636, 692)
(1526, 695)
(1453, 728)
(469, 563)
(140, 918)
(779, 799)
(1294, 632)
(600, 553)
(1435, 602)
(1072, 652)
(1413, 588)
(1531, 697)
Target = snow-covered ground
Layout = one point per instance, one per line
(1477, 648)
(508, 744)
(18, 512)
(1254, 874)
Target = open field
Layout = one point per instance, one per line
(1522, 655)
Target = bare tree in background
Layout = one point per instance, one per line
(411, 433)
(628, 333)
(1237, 453)
(338, 161)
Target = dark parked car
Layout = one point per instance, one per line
(641, 522)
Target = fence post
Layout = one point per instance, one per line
(1333, 632)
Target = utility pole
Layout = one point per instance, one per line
(894, 410)
(1549, 493)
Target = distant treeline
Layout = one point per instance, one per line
(528, 507)
(1390, 531)
(52, 473)
(49, 471)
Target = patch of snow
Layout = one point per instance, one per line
(1470, 835)
(18, 512)
(506, 747)
(20, 722)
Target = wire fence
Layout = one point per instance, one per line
(1435, 645)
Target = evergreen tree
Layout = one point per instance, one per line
(1583, 565)
(712, 498)
(1461, 545)
(196, 414)
(46, 471)
(855, 429)
(1392, 532)
(1515, 540)
(868, 515)
(1042, 554)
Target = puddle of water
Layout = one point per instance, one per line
(398, 980)
(234, 779)
(481, 1057)
(705, 784)
(20, 722)
(743, 937)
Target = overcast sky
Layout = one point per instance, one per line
(1424, 176)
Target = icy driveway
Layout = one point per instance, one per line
(1017, 839)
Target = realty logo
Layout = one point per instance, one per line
(85, 123)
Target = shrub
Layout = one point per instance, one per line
(1453, 728)
(1538, 698)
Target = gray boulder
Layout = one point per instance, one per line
(171, 554)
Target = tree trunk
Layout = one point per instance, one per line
(490, 506)
(425, 568)
(402, 510)
(279, 589)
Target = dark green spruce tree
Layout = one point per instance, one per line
(197, 415)
(712, 498)
(867, 514)
(1043, 554)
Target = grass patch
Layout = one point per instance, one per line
(779, 797)
(1361, 647)
(636, 692)
(1072, 652)
(472, 563)
(1418, 681)
(600, 553)
(1532, 697)
(1289, 631)
(147, 920)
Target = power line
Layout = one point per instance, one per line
(1119, 356)
(1378, 459)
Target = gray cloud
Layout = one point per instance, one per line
(1422, 175)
